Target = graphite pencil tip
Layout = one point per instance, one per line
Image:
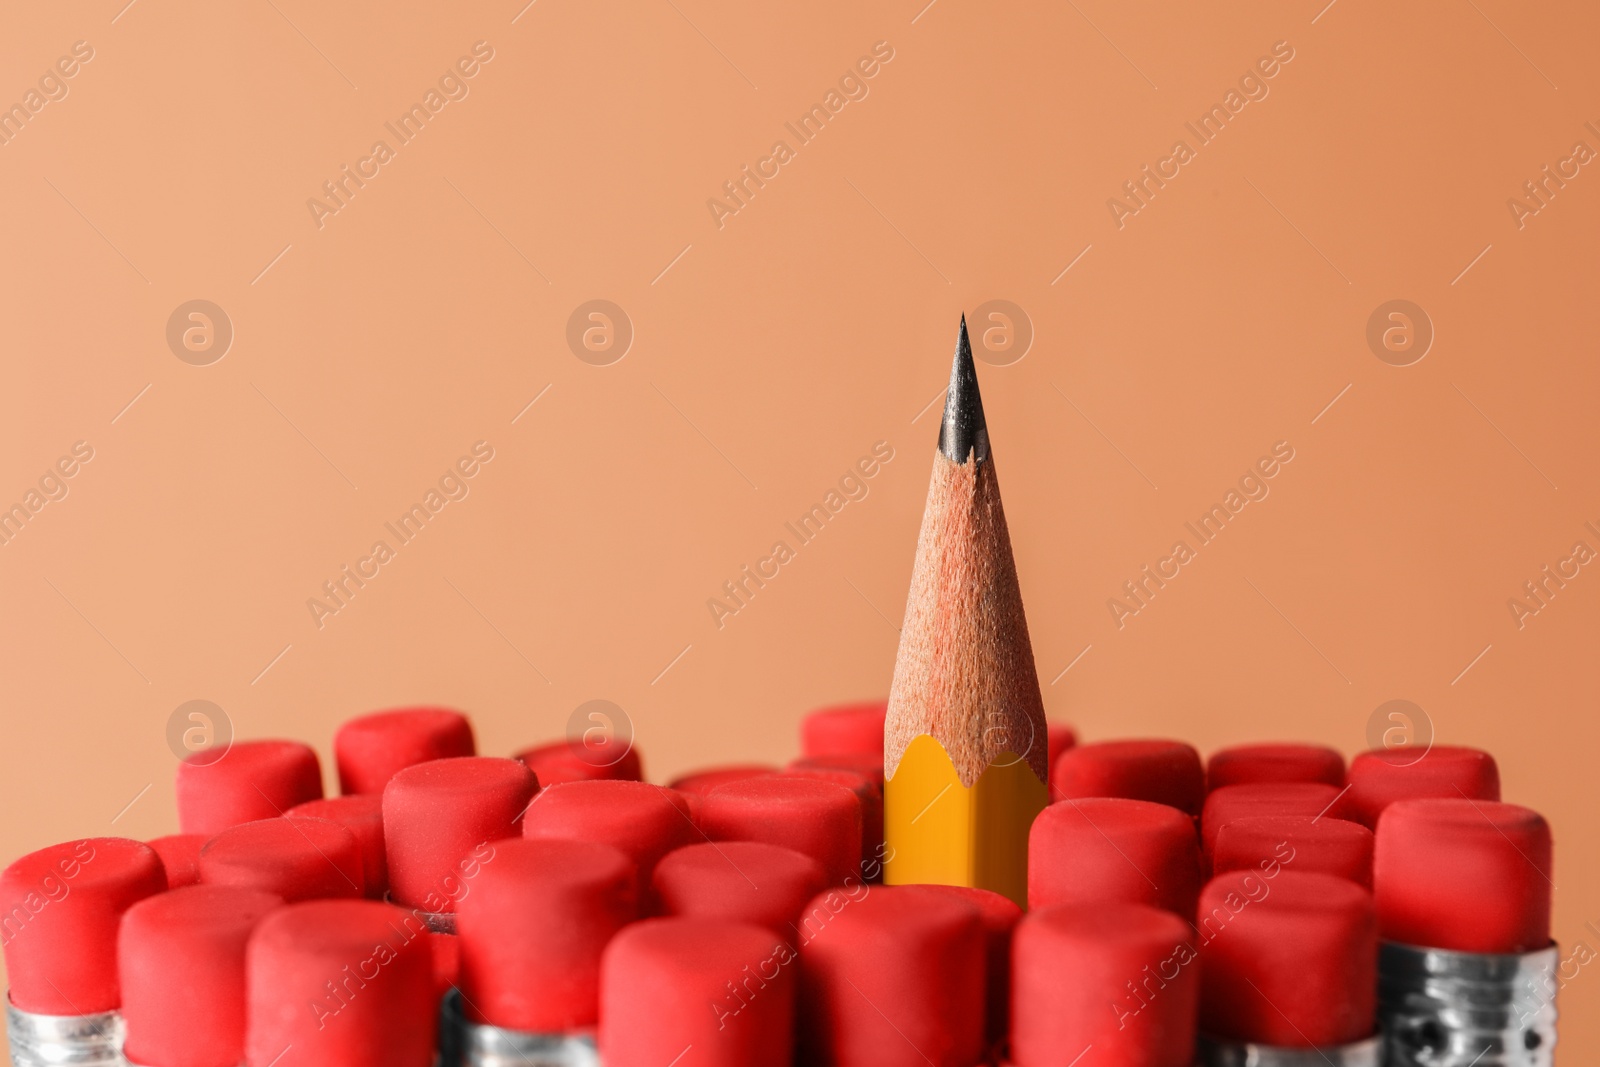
(963, 431)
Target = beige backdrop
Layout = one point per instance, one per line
(968, 155)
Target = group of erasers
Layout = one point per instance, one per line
(736, 917)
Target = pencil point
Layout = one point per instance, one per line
(963, 431)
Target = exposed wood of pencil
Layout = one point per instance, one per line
(965, 671)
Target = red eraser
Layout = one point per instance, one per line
(446, 962)
(1381, 776)
(59, 910)
(362, 815)
(696, 993)
(1165, 772)
(645, 821)
(347, 982)
(533, 928)
(893, 977)
(1110, 849)
(1311, 799)
(868, 791)
(569, 761)
(1073, 962)
(371, 749)
(738, 881)
(298, 859)
(999, 916)
(866, 765)
(181, 961)
(437, 818)
(1283, 762)
(253, 780)
(703, 781)
(821, 819)
(1288, 960)
(845, 728)
(1060, 737)
(1466, 875)
(180, 857)
(1322, 846)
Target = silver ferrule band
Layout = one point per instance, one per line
(1450, 1009)
(1215, 1052)
(464, 1043)
(64, 1040)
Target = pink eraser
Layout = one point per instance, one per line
(844, 728)
(180, 857)
(697, 993)
(1282, 762)
(570, 761)
(999, 916)
(298, 859)
(1323, 846)
(1110, 849)
(362, 815)
(1380, 777)
(893, 977)
(1059, 738)
(868, 791)
(703, 781)
(1116, 978)
(61, 906)
(1465, 875)
(1165, 772)
(253, 780)
(533, 928)
(371, 749)
(1311, 799)
(821, 819)
(1288, 960)
(346, 982)
(181, 960)
(738, 881)
(645, 821)
(438, 817)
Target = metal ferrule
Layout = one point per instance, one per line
(1215, 1052)
(59, 1040)
(464, 1043)
(1453, 1009)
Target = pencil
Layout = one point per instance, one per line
(965, 752)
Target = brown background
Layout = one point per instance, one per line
(772, 354)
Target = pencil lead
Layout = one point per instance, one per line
(963, 431)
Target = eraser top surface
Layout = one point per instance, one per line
(569, 761)
(251, 780)
(703, 781)
(362, 815)
(1230, 802)
(1275, 762)
(180, 857)
(1161, 771)
(821, 819)
(1322, 846)
(1379, 777)
(346, 982)
(62, 907)
(1112, 849)
(371, 749)
(855, 728)
(1465, 875)
(644, 820)
(298, 859)
(738, 881)
(436, 814)
(181, 957)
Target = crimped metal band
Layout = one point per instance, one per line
(64, 1040)
(1454, 1009)
(464, 1043)
(1218, 1053)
